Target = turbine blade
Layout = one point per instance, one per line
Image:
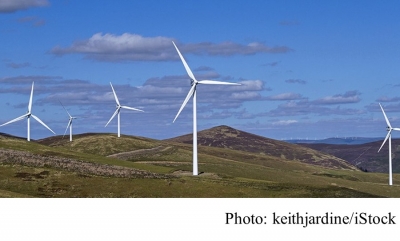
(116, 111)
(30, 100)
(189, 72)
(115, 95)
(213, 82)
(387, 136)
(14, 120)
(41, 122)
(396, 129)
(191, 91)
(65, 109)
(387, 120)
(69, 123)
(130, 108)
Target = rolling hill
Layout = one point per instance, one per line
(230, 138)
(102, 165)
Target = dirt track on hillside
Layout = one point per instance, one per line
(131, 154)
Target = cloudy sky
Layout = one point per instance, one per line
(308, 69)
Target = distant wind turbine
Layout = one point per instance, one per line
(69, 123)
(192, 92)
(117, 111)
(388, 136)
(28, 115)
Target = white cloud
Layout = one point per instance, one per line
(230, 48)
(134, 47)
(250, 85)
(10, 6)
(216, 115)
(284, 122)
(285, 96)
(346, 98)
(246, 95)
(109, 47)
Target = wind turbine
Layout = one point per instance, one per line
(69, 123)
(388, 136)
(192, 92)
(28, 115)
(117, 111)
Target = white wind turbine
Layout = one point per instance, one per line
(192, 92)
(69, 123)
(117, 111)
(388, 136)
(28, 115)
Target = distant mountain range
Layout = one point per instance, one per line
(338, 140)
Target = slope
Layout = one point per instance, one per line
(364, 156)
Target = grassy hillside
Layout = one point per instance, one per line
(151, 168)
(364, 156)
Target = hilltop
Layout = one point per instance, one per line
(230, 138)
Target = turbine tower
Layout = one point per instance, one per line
(388, 136)
(28, 115)
(117, 111)
(69, 123)
(192, 92)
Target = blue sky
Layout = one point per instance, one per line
(308, 69)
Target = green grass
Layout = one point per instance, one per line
(64, 184)
(227, 173)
